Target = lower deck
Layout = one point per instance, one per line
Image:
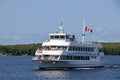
(65, 57)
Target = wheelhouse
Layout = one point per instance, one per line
(62, 37)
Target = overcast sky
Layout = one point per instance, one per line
(30, 21)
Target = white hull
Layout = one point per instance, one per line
(69, 64)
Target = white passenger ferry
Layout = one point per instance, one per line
(64, 51)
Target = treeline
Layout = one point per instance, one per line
(111, 48)
(29, 49)
(23, 49)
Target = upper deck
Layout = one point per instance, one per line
(62, 39)
(61, 43)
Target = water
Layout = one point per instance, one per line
(22, 68)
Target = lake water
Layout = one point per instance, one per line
(22, 68)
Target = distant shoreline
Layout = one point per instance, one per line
(13, 55)
(1, 54)
(29, 49)
(7, 54)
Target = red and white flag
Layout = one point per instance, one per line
(87, 29)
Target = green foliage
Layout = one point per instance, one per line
(23, 49)
(29, 49)
(111, 48)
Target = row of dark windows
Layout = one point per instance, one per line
(59, 37)
(55, 47)
(63, 57)
(73, 48)
(71, 37)
(75, 57)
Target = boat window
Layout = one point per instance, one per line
(76, 48)
(94, 57)
(64, 47)
(88, 49)
(59, 47)
(62, 37)
(83, 48)
(87, 57)
(56, 37)
(51, 37)
(67, 57)
(75, 57)
(91, 49)
(70, 48)
(56, 57)
(71, 57)
(73, 48)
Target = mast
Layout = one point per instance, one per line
(83, 33)
(61, 30)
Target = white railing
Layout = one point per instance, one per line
(51, 49)
(45, 58)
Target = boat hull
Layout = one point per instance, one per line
(69, 64)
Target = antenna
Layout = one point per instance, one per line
(61, 30)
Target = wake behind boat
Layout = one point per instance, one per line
(64, 51)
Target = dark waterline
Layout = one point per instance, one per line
(22, 68)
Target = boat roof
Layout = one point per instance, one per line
(57, 34)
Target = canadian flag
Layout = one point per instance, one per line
(87, 29)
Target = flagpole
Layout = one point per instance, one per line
(83, 34)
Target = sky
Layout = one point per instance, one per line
(30, 21)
